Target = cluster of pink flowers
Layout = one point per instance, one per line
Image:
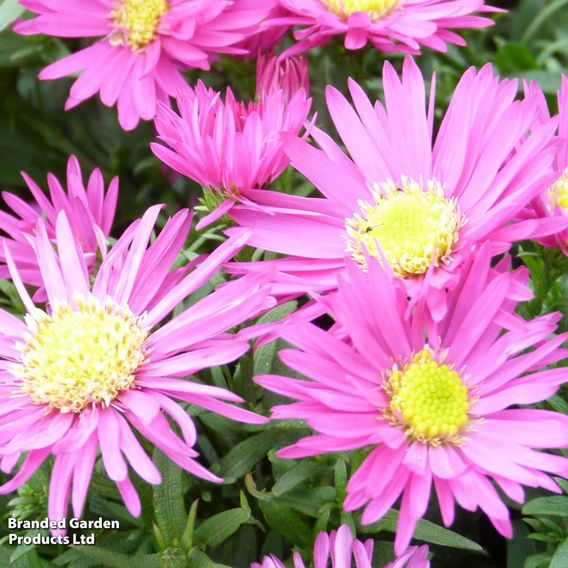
(427, 366)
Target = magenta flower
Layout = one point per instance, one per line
(289, 75)
(554, 201)
(341, 548)
(389, 25)
(269, 35)
(231, 147)
(144, 46)
(100, 362)
(422, 204)
(431, 399)
(89, 210)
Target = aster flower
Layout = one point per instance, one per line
(269, 35)
(431, 399)
(389, 25)
(289, 75)
(231, 147)
(554, 201)
(144, 46)
(416, 202)
(89, 210)
(101, 362)
(342, 549)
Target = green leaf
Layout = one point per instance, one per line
(553, 505)
(286, 521)
(199, 559)
(245, 455)
(425, 531)
(10, 10)
(560, 557)
(218, 528)
(169, 508)
(117, 559)
(187, 536)
(303, 471)
(541, 560)
(519, 548)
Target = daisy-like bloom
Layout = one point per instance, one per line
(231, 147)
(89, 209)
(341, 548)
(416, 202)
(101, 362)
(389, 25)
(432, 400)
(554, 201)
(143, 47)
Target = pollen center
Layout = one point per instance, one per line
(374, 8)
(81, 355)
(558, 192)
(428, 399)
(411, 227)
(136, 21)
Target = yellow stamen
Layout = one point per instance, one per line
(428, 399)
(558, 192)
(375, 8)
(136, 22)
(81, 355)
(411, 227)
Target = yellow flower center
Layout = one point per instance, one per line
(74, 357)
(375, 8)
(137, 21)
(558, 192)
(412, 228)
(428, 399)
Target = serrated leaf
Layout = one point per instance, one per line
(245, 455)
(169, 508)
(554, 505)
(217, 529)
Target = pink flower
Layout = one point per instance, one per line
(231, 147)
(389, 25)
(431, 399)
(554, 201)
(106, 359)
(269, 34)
(420, 203)
(144, 46)
(89, 210)
(341, 548)
(289, 75)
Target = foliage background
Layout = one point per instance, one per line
(266, 504)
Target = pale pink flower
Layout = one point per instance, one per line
(341, 548)
(432, 400)
(144, 46)
(389, 25)
(105, 359)
(89, 209)
(421, 203)
(231, 147)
